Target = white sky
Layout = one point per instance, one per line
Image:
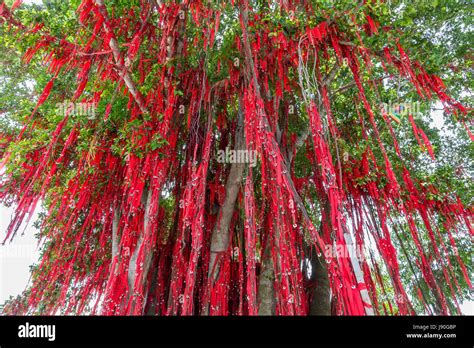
(15, 257)
(32, 2)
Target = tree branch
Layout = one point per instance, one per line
(119, 61)
(285, 172)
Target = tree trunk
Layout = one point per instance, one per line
(221, 234)
(132, 268)
(115, 232)
(266, 285)
(320, 297)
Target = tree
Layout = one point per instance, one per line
(142, 216)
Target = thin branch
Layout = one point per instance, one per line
(124, 74)
(353, 84)
(285, 172)
(332, 74)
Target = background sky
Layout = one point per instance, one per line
(16, 256)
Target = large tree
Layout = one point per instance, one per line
(143, 216)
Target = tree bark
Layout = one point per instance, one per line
(119, 61)
(266, 286)
(115, 232)
(320, 296)
(132, 268)
(221, 234)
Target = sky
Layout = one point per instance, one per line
(15, 257)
